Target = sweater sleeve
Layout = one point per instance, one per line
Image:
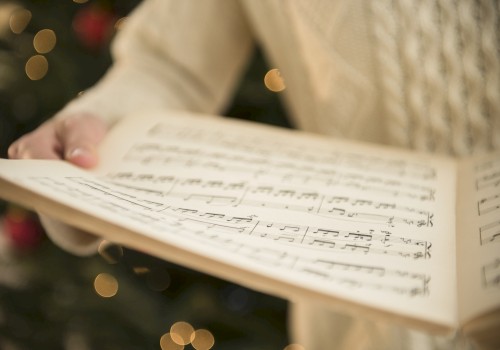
(170, 54)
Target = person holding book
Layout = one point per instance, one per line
(420, 75)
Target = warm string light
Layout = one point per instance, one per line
(141, 270)
(182, 334)
(36, 67)
(274, 81)
(167, 343)
(202, 339)
(106, 285)
(19, 20)
(44, 41)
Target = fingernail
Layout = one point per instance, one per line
(78, 152)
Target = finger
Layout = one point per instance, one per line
(39, 144)
(80, 136)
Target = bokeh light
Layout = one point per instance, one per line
(106, 285)
(36, 67)
(44, 41)
(141, 270)
(202, 339)
(167, 343)
(181, 333)
(19, 20)
(274, 81)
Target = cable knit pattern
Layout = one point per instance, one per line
(490, 43)
(412, 59)
(435, 85)
(439, 69)
(469, 30)
(386, 32)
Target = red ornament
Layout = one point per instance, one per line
(23, 229)
(93, 26)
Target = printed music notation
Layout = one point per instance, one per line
(380, 242)
(491, 274)
(271, 146)
(284, 170)
(488, 175)
(490, 232)
(240, 194)
(488, 205)
(218, 230)
(350, 275)
(370, 242)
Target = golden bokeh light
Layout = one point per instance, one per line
(110, 252)
(6, 11)
(44, 41)
(106, 285)
(141, 270)
(202, 339)
(274, 81)
(36, 67)
(80, 1)
(294, 347)
(167, 343)
(181, 333)
(19, 20)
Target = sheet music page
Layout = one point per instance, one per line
(359, 222)
(479, 236)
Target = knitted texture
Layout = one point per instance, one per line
(440, 73)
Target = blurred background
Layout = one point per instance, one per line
(50, 51)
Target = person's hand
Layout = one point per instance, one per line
(74, 139)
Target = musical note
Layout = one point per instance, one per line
(490, 232)
(491, 274)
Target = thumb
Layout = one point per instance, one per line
(80, 136)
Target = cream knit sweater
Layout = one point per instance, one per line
(416, 74)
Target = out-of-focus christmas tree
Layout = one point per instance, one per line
(49, 52)
(119, 299)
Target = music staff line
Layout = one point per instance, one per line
(383, 242)
(353, 275)
(370, 242)
(488, 166)
(490, 233)
(271, 147)
(490, 179)
(488, 204)
(284, 170)
(241, 194)
(491, 274)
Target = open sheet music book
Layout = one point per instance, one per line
(363, 228)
